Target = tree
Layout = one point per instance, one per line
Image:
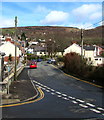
(23, 36)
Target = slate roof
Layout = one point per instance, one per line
(89, 47)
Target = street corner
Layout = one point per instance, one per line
(17, 102)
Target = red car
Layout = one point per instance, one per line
(33, 65)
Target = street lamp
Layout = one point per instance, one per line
(2, 65)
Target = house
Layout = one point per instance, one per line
(90, 52)
(9, 48)
(73, 48)
(38, 49)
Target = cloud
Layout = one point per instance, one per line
(6, 22)
(96, 15)
(87, 12)
(55, 17)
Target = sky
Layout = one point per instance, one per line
(59, 13)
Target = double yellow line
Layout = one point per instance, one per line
(23, 103)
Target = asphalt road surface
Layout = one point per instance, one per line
(64, 97)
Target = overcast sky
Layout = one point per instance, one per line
(70, 14)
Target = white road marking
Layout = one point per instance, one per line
(40, 87)
(47, 87)
(65, 98)
(100, 108)
(43, 88)
(35, 81)
(58, 92)
(94, 110)
(52, 90)
(73, 98)
(64, 94)
(74, 102)
(69, 97)
(59, 96)
(80, 100)
(47, 90)
(52, 93)
(83, 105)
(90, 104)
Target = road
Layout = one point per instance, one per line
(64, 97)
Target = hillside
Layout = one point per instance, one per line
(63, 36)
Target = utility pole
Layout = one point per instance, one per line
(15, 68)
(82, 43)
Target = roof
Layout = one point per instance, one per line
(89, 47)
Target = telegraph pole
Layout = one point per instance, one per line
(82, 43)
(15, 68)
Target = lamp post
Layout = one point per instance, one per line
(2, 66)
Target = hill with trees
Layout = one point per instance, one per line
(63, 36)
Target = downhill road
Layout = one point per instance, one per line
(64, 97)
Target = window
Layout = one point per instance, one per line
(96, 59)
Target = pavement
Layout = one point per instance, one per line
(20, 90)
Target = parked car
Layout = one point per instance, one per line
(33, 64)
(39, 60)
(50, 61)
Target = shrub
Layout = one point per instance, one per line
(98, 75)
(73, 63)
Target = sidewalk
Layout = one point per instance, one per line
(20, 90)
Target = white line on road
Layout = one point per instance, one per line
(80, 100)
(65, 98)
(83, 105)
(64, 94)
(58, 92)
(52, 90)
(90, 104)
(94, 110)
(47, 90)
(69, 97)
(100, 108)
(52, 93)
(74, 102)
(43, 88)
(59, 96)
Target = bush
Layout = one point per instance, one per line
(73, 63)
(98, 75)
(60, 59)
